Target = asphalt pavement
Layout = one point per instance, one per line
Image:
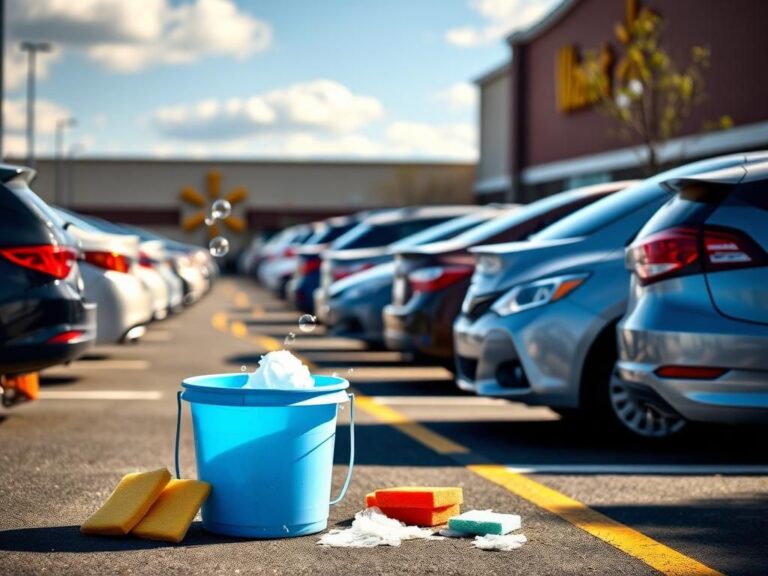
(590, 504)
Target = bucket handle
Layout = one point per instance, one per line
(351, 449)
(351, 443)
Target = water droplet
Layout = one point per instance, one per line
(307, 323)
(341, 407)
(285, 528)
(243, 368)
(290, 339)
(350, 371)
(219, 246)
(220, 209)
(335, 374)
(209, 221)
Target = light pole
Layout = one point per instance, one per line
(74, 150)
(32, 48)
(61, 125)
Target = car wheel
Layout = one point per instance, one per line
(639, 416)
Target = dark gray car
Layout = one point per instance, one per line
(694, 340)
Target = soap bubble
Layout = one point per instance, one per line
(209, 221)
(290, 339)
(220, 209)
(307, 323)
(219, 246)
(243, 368)
(350, 371)
(335, 374)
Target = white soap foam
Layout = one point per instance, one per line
(503, 543)
(372, 528)
(280, 370)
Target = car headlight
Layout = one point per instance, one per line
(537, 293)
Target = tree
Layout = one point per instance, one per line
(647, 94)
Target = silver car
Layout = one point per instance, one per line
(538, 324)
(694, 342)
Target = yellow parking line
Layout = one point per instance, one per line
(636, 544)
(220, 322)
(656, 555)
(241, 300)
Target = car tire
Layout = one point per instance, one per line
(607, 402)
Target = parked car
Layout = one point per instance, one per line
(539, 322)
(306, 274)
(279, 259)
(367, 244)
(109, 265)
(693, 343)
(193, 265)
(355, 303)
(431, 280)
(44, 318)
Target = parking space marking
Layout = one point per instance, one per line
(475, 402)
(636, 544)
(655, 554)
(100, 395)
(641, 469)
(241, 300)
(110, 365)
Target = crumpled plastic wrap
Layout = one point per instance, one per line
(280, 370)
(372, 528)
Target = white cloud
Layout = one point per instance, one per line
(450, 141)
(460, 96)
(16, 65)
(321, 105)
(130, 35)
(47, 113)
(502, 17)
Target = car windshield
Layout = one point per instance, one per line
(443, 231)
(330, 233)
(368, 235)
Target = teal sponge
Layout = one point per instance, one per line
(482, 522)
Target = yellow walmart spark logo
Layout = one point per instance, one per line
(191, 196)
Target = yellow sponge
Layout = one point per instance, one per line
(173, 512)
(418, 497)
(128, 504)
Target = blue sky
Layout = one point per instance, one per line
(277, 79)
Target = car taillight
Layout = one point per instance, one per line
(309, 266)
(109, 261)
(145, 260)
(51, 259)
(289, 252)
(64, 337)
(437, 277)
(684, 250)
(340, 272)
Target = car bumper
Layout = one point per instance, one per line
(534, 356)
(355, 319)
(123, 303)
(738, 396)
(34, 352)
(416, 327)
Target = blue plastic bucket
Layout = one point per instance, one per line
(268, 454)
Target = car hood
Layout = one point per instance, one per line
(371, 277)
(531, 260)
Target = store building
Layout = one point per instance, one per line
(557, 140)
(492, 178)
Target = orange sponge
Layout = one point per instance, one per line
(423, 516)
(418, 497)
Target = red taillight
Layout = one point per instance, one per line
(109, 261)
(145, 261)
(65, 337)
(690, 372)
(340, 272)
(437, 277)
(678, 252)
(308, 266)
(289, 252)
(54, 260)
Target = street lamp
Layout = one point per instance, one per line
(61, 125)
(32, 48)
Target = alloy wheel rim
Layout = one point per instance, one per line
(641, 418)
